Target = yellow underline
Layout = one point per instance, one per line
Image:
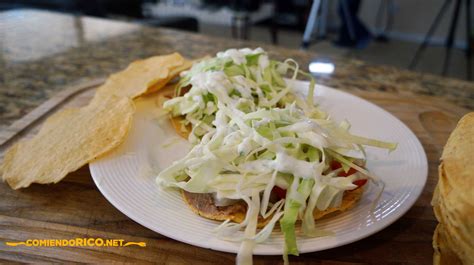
(141, 244)
(14, 244)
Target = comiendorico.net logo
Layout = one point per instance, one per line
(76, 242)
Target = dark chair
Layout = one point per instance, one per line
(288, 14)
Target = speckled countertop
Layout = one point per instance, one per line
(43, 52)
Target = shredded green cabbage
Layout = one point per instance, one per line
(251, 132)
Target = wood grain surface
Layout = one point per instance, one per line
(75, 208)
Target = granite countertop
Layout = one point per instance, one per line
(43, 52)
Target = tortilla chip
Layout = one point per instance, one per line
(74, 137)
(67, 141)
(442, 253)
(457, 159)
(174, 72)
(453, 200)
(143, 75)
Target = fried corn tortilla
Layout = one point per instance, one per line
(72, 138)
(143, 76)
(453, 200)
(174, 72)
(67, 141)
(443, 254)
(203, 203)
(179, 127)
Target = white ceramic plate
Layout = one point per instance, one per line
(124, 178)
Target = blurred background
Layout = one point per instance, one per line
(432, 36)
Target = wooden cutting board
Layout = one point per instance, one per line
(75, 208)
